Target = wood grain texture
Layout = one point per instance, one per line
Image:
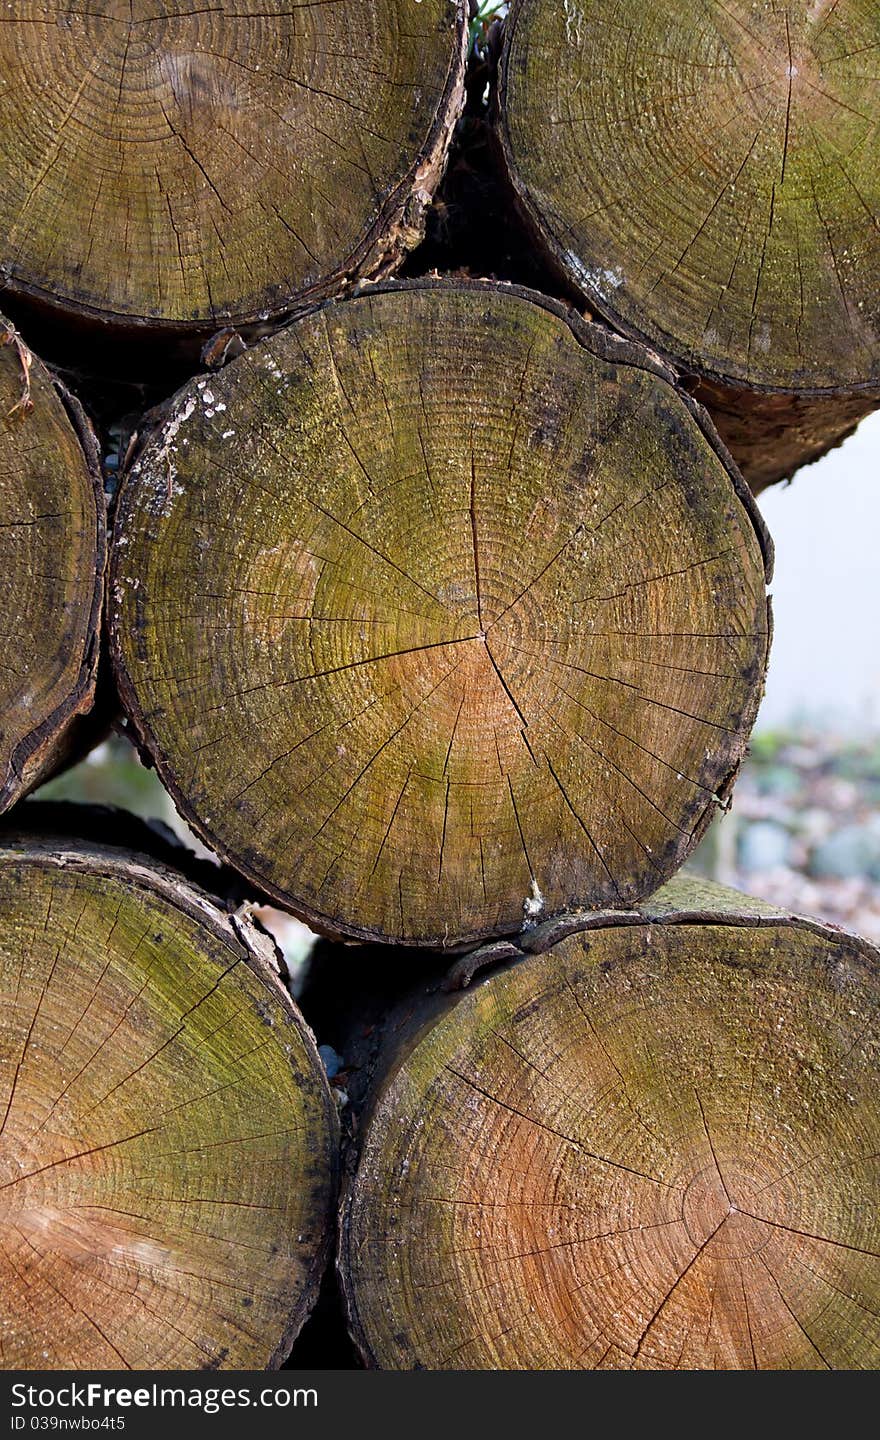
(652, 1146)
(167, 1140)
(190, 165)
(707, 175)
(438, 609)
(52, 558)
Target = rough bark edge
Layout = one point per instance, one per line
(685, 901)
(243, 936)
(766, 432)
(59, 737)
(608, 348)
(574, 275)
(396, 229)
(85, 825)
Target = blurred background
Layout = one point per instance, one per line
(804, 827)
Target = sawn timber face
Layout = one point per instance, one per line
(440, 608)
(181, 169)
(168, 1144)
(754, 261)
(52, 558)
(705, 175)
(645, 1144)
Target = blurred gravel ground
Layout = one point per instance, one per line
(803, 831)
(804, 828)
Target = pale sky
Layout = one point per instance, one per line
(825, 664)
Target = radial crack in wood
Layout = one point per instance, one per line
(708, 175)
(52, 557)
(653, 1146)
(184, 165)
(438, 609)
(168, 1148)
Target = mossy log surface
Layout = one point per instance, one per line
(651, 1146)
(708, 175)
(52, 559)
(439, 608)
(180, 165)
(168, 1143)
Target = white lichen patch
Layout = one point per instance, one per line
(573, 22)
(163, 465)
(533, 905)
(597, 280)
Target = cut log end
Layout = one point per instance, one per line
(52, 556)
(708, 175)
(440, 612)
(191, 167)
(651, 1148)
(167, 1139)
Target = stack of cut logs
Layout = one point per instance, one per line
(439, 605)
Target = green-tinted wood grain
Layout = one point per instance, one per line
(167, 1140)
(440, 609)
(709, 175)
(52, 555)
(184, 164)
